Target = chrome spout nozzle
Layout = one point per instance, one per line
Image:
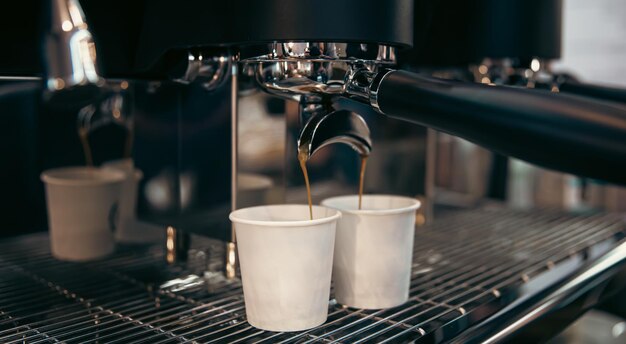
(211, 71)
(335, 127)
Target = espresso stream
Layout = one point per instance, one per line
(83, 134)
(84, 140)
(362, 177)
(302, 159)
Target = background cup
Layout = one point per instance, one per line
(286, 264)
(82, 211)
(373, 250)
(253, 189)
(128, 230)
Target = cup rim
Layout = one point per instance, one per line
(233, 216)
(137, 173)
(117, 164)
(58, 176)
(414, 205)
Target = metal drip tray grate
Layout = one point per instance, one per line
(467, 266)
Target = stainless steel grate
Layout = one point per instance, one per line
(467, 266)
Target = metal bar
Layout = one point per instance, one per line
(172, 330)
(528, 312)
(175, 317)
(379, 322)
(70, 306)
(321, 327)
(471, 270)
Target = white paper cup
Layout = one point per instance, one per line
(128, 231)
(373, 250)
(82, 211)
(286, 264)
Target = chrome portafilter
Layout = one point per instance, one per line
(316, 75)
(334, 127)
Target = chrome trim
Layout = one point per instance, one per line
(230, 256)
(20, 78)
(374, 87)
(176, 245)
(212, 71)
(316, 74)
(230, 265)
(509, 71)
(584, 287)
(70, 49)
(314, 71)
(333, 51)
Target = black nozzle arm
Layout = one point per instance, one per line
(568, 133)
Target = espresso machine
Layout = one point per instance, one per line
(218, 99)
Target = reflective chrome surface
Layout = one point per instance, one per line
(210, 70)
(114, 108)
(70, 49)
(334, 127)
(316, 74)
(524, 315)
(325, 51)
(537, 74)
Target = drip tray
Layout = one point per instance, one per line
(467, 266)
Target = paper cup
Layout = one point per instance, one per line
(373, 250)
(82, 211)
(286, 264)
(128, 231)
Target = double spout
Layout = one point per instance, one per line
(324, 125)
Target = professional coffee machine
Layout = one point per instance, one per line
(321, 79)
(224, 95)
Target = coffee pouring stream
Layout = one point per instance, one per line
(326, 126)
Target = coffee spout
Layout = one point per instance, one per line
(329, 126)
